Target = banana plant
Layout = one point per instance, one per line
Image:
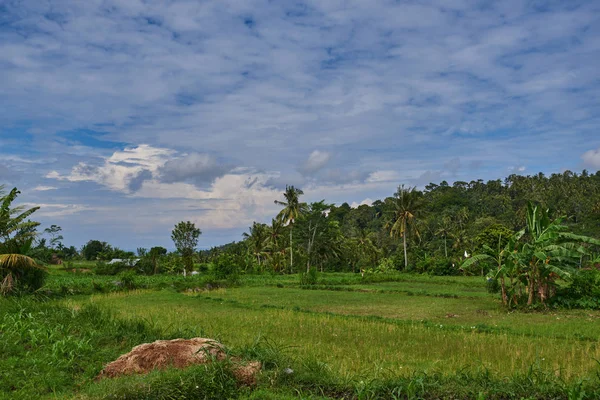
(16, 236)
(535, 258)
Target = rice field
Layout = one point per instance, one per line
(348, 337)
(373, 329)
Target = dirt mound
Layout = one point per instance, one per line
(177, 353)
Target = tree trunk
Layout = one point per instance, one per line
(502, 286)
(310, 245)
(445, 248)
(405, 255)
(291, 252)
(532, 286)
(308, 252)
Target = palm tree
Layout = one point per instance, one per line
(365, 245)
(257, 240)
(444, 230)
(292, 209)
(405, 205)
(274, 233)
(16, 236)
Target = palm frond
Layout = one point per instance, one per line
(17, 261)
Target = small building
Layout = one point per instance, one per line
(130, 262)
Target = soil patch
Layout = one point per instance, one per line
(177, 353)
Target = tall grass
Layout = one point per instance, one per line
(407, 337)
(364, 346)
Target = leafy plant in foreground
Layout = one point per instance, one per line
(535, 258)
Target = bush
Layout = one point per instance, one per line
(128, 279)
(173, 264)
(438, 266)
(104, 268)
(492, 285)
(144, 266)
(309, 278)
(25, 280)
(203, 267)
(225, 267)
(582, 292)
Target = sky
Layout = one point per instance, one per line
(122, 118)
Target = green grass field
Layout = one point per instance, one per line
(345, 338)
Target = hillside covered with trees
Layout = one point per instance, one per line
(466, 228)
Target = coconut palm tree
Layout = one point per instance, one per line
(404, 206)
(292, 209)
(274, 234)
(257, 240)
(443, 229)
(16, 236)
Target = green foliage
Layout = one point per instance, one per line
(145, 266)
(226, 266)
(582, 292)
(49, 349)
(309, 278)
(173, 264)
(128, 279)
(439, 266)
(214, 381)
(155, 255)
(185, 236)
(293, 208)
(104, 268)
(533, 260)
(19, 273)
(386, 265)
(92, 248)
(404, 208)
(494, 236)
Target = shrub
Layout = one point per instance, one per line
(203, 267)
(104, 268)
(173, 264)
(24, 280)
(309, 278)
(438, 266)
(225, 267)
(128, 279)
(386, 265)
(582, 292)
(144, 266)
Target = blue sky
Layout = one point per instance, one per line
(122, 118)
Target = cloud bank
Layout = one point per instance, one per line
(141, 113)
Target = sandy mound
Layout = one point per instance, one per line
(178, 353)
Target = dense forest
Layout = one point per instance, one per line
(528, 234)
(430, 230)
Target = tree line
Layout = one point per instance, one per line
(444, 229)
(430, 230)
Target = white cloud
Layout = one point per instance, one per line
(120, 169)
(196, 167)
(366, 201)
(42, 188)
(315, 162)
(516, 169)
(57, 210)
(591, 158)
(384, 176)
(397, 89)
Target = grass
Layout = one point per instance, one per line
(378, 337)
(360, 345)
